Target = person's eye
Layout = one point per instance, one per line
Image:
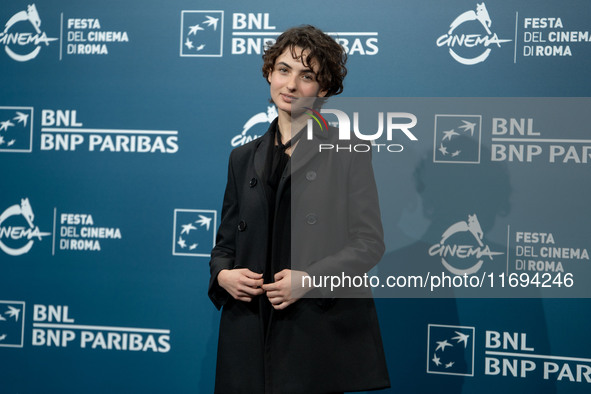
(308, 77)
(282, 70)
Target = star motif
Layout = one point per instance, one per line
(211, 21)
(194, 29)
(462, 338)
(187, 228)
(436, 360)
(467, 126)
(182, 243)
(448, 134)
(21, 118)
(441, 345)
(5, 125)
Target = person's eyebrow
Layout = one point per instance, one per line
(284, 64)
(306, 70)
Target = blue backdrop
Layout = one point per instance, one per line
(117, 119)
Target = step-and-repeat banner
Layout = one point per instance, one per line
(116, 123)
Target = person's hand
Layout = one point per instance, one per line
(241, 283)
(286, 289)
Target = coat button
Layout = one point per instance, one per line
(311, 218)
(242, 225)
(311, 175)
(253, 182)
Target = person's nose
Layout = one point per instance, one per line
(292, 83)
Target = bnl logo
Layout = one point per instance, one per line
(194, 232)
(16, 129)
(202, 33)
(12, 323)
(457, 139)
(450, 350)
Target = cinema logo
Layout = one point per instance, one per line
(61, 130)
(18, 233)
(255, 126)
(395, 122)
(22, 36)
(53, 326)
(472, 48)
(461, 247)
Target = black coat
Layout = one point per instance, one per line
(316, 345)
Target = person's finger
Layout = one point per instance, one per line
(273, 294)
(276, 299)
(271, 286)
(251, 291)
(252, 275)
(282, 305)
(245, 280)
(238, 295)
(281, 274)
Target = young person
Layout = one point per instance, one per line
(275, 337)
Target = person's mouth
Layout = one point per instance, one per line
(288, 98)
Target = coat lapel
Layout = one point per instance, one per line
(307, 148)
(262, 150)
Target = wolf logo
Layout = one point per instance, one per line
(480, 15)
(473, 226)
(23, 209)
(261, 117)
(30, 14)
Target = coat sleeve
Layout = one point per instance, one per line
(364, 246)
(223, 254)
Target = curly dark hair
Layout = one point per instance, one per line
(325, 51)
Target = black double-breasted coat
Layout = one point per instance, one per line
(316, 345)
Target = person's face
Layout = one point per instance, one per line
(290, 79)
